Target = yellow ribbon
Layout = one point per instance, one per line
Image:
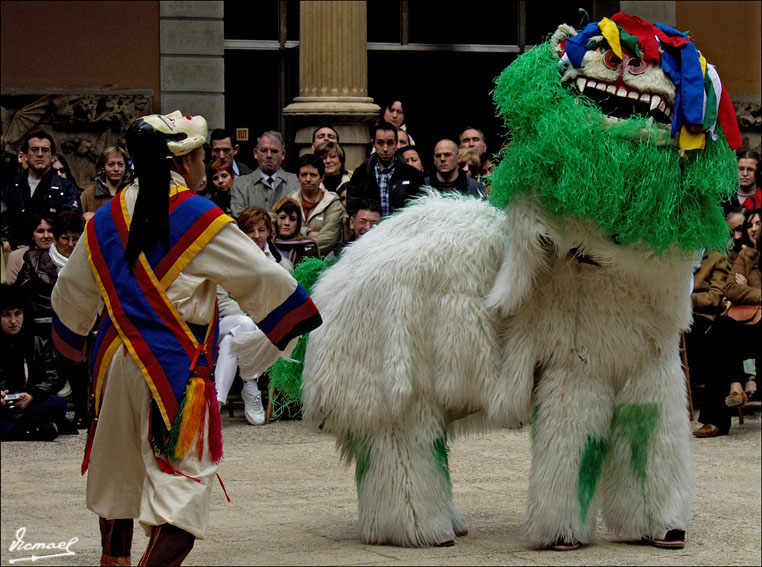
(611, 32)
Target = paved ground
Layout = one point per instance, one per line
(295, 504)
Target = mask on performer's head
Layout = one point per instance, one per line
(183, 133)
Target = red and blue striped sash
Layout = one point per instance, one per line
(138, 312)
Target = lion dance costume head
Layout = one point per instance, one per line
(625, 124)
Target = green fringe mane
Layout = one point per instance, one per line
(286, 375)
(562, 153)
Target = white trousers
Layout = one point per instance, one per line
(227, 362)
(124, 480)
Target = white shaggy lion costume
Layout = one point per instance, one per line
(560, 306)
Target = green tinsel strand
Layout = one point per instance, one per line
(286, 375)
(174, 432)
(563, 152)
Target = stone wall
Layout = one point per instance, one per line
(750, 122)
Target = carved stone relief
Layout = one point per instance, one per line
(83, 125)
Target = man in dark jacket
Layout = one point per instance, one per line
(384, 176)
(447, 176)
(38, 189)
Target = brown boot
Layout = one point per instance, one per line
(116, 541)
(168, 545)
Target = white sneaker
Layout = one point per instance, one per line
(252, 406)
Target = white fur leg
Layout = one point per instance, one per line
(459, 524)
(568, 443)
(648, 478)
(403, 490)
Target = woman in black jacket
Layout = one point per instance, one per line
(30, 410)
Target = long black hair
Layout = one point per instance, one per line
(150, 218)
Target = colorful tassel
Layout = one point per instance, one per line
(193, 414)
(187, 434)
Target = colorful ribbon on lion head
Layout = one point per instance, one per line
(701, 100)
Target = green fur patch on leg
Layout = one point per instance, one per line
(590, 468)
(440, 450)
(638, 423)
(361, 454)
(535, 413)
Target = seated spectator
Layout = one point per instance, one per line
(257, 225)
(323, 133)
(322, 213)
(342, 193)
(111, 176)
(222, 147)
(384, 176)
(412, 157)
(403, 139)
(447, 176)
(289, 240)
(334, 159)
(27, 374)
(42, 239)
(737, 341)
(269, 183)
(736, 217)
(750, 229)
(222, 177)
(749, 191)
(474, 138)
(393, 112)
(469, 162)
(38, 189)
(37, 278)
(61, 167)
(707, 298)
(9, 164)
(366, 216)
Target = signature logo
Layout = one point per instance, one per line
(19, 545)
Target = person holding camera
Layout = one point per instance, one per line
(30, 410)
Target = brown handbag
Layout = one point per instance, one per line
(746, 314)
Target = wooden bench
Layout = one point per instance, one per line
(752, 406)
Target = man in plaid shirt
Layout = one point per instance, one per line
(384, 176)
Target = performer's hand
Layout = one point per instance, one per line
(2, 397)
(741, 279)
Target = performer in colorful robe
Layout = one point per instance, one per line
(147, 269)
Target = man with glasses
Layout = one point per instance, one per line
(38, 189)
(365, 216)
(269, 183)
(224, 149)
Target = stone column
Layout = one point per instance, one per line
(333, 77)
(192, 46)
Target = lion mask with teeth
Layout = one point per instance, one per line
(628, 126)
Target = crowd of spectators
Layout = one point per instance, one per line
(314, 212)
(723, 344)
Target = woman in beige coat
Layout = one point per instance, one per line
(322, 211)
